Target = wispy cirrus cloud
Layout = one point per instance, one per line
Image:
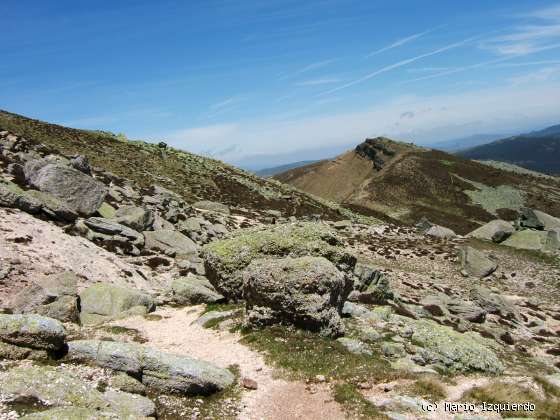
(400, 42)
(320, 81)
(400, 64)
(543, 30)
(310, 67)
(501, 61)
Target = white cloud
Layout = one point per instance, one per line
(529, 38)
(310, 67)
(399, 42)
(436, 117)
(320, 81)
(400, 64)
(541, 75)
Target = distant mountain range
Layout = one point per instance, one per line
(537, 150)
(465, 142)
(267, 172)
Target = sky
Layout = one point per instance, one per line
(257, 83)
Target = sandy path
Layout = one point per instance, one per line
(275, 399)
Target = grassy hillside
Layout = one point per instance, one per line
(191, 176)
(410, 182)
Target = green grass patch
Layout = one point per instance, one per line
(503, 393)
(221, 307)
(354, 402)
(428, 388)
(303, 355)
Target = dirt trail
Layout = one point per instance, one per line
(275, 399)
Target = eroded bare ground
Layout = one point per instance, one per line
(275, 398)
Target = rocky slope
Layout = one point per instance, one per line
(402, 182)
(123, 298)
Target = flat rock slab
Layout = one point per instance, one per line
(34, 331)
(162, 371)
(55, 387)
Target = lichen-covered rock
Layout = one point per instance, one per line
(495, 231)
(34, 331)
(64, 309)
(453, 351)
(110, 300)
(53, 206)
(441, 232)
(54, 387)
(127, 383)
(13, 196)
(192, 290)
(493, 303)
(80, 192)
(162, 371)
(527, 239)
(170, 242)
(308, 292)
(111, 227)
(45, 291)
(137, 218)
(226, 259)
(71, 413)
(212, 206)
(535, 219)
(475, 263)
(354, 346)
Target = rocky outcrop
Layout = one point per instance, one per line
(495, 231)
(308, 292)
(32, 331)
(80, 192)
(103, 301)
(170, 243)
(535, 219)
(69, 396)
(226, 259)
(192, 290)
(453, 351)
(527, 239)
(137, 218)
(441, 232)
(475, 263)
(162, 371)
(212, 206)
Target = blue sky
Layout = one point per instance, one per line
(255, 80)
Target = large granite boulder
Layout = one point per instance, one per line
(78, 191)
(475, 263)
(527, 239)
(68, 395)
(535, 219)
(455, 352)
(170, 242)
(192, 290)
(112, 228)
(45, 291)
(226, 259)
(493, 303)
(137, 218)
(13, 196)
(108, 300)
(33, 331)
(495, 231)
(441, 232)
(308, 292)
(162, 371)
